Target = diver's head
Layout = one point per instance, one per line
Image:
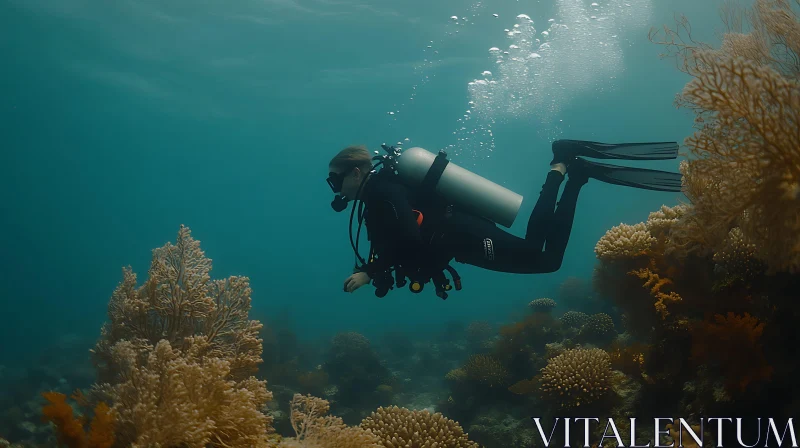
(346, 172)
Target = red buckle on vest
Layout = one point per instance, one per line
(419, 216)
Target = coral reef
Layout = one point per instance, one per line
(577, 376)
(624, 241)
(179, 334)
(177, 301)
(598, 328)
(314, 429)
(485, 370)
(542, 305)
(404, 428)
(574, 319)
(746, 166)
(160, 403)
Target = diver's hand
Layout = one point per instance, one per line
(356, 281)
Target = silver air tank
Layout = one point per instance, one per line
(463, 188)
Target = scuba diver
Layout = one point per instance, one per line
(422, 211)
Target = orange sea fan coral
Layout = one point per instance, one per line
(733, 343)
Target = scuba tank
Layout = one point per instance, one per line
(465, 189)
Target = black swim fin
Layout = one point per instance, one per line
(566, 150)
(628, 176)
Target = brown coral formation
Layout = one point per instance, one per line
(598, 328)
(574, 319)
(315, 429)
(737, 258)
(624, 241)
(745, 171)
(485, 370)
(577, 377)
(404, 428)
(178, 334)
(542, 305)
(160, 404)
(179, 300)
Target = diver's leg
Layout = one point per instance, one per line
(558, 236)
(541, 217)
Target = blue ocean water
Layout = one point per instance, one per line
(123, 120)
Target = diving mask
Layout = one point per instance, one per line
(335, 181)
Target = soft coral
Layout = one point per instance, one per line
(69, 430)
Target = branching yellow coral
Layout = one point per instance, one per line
(179, 300)
(655, 283)
(653, 280)
(660, 222)
(404, 428)
(176, 398)
(315, 429)
(624, 241)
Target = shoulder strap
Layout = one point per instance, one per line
(434, 173)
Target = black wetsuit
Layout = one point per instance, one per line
(399, 240)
